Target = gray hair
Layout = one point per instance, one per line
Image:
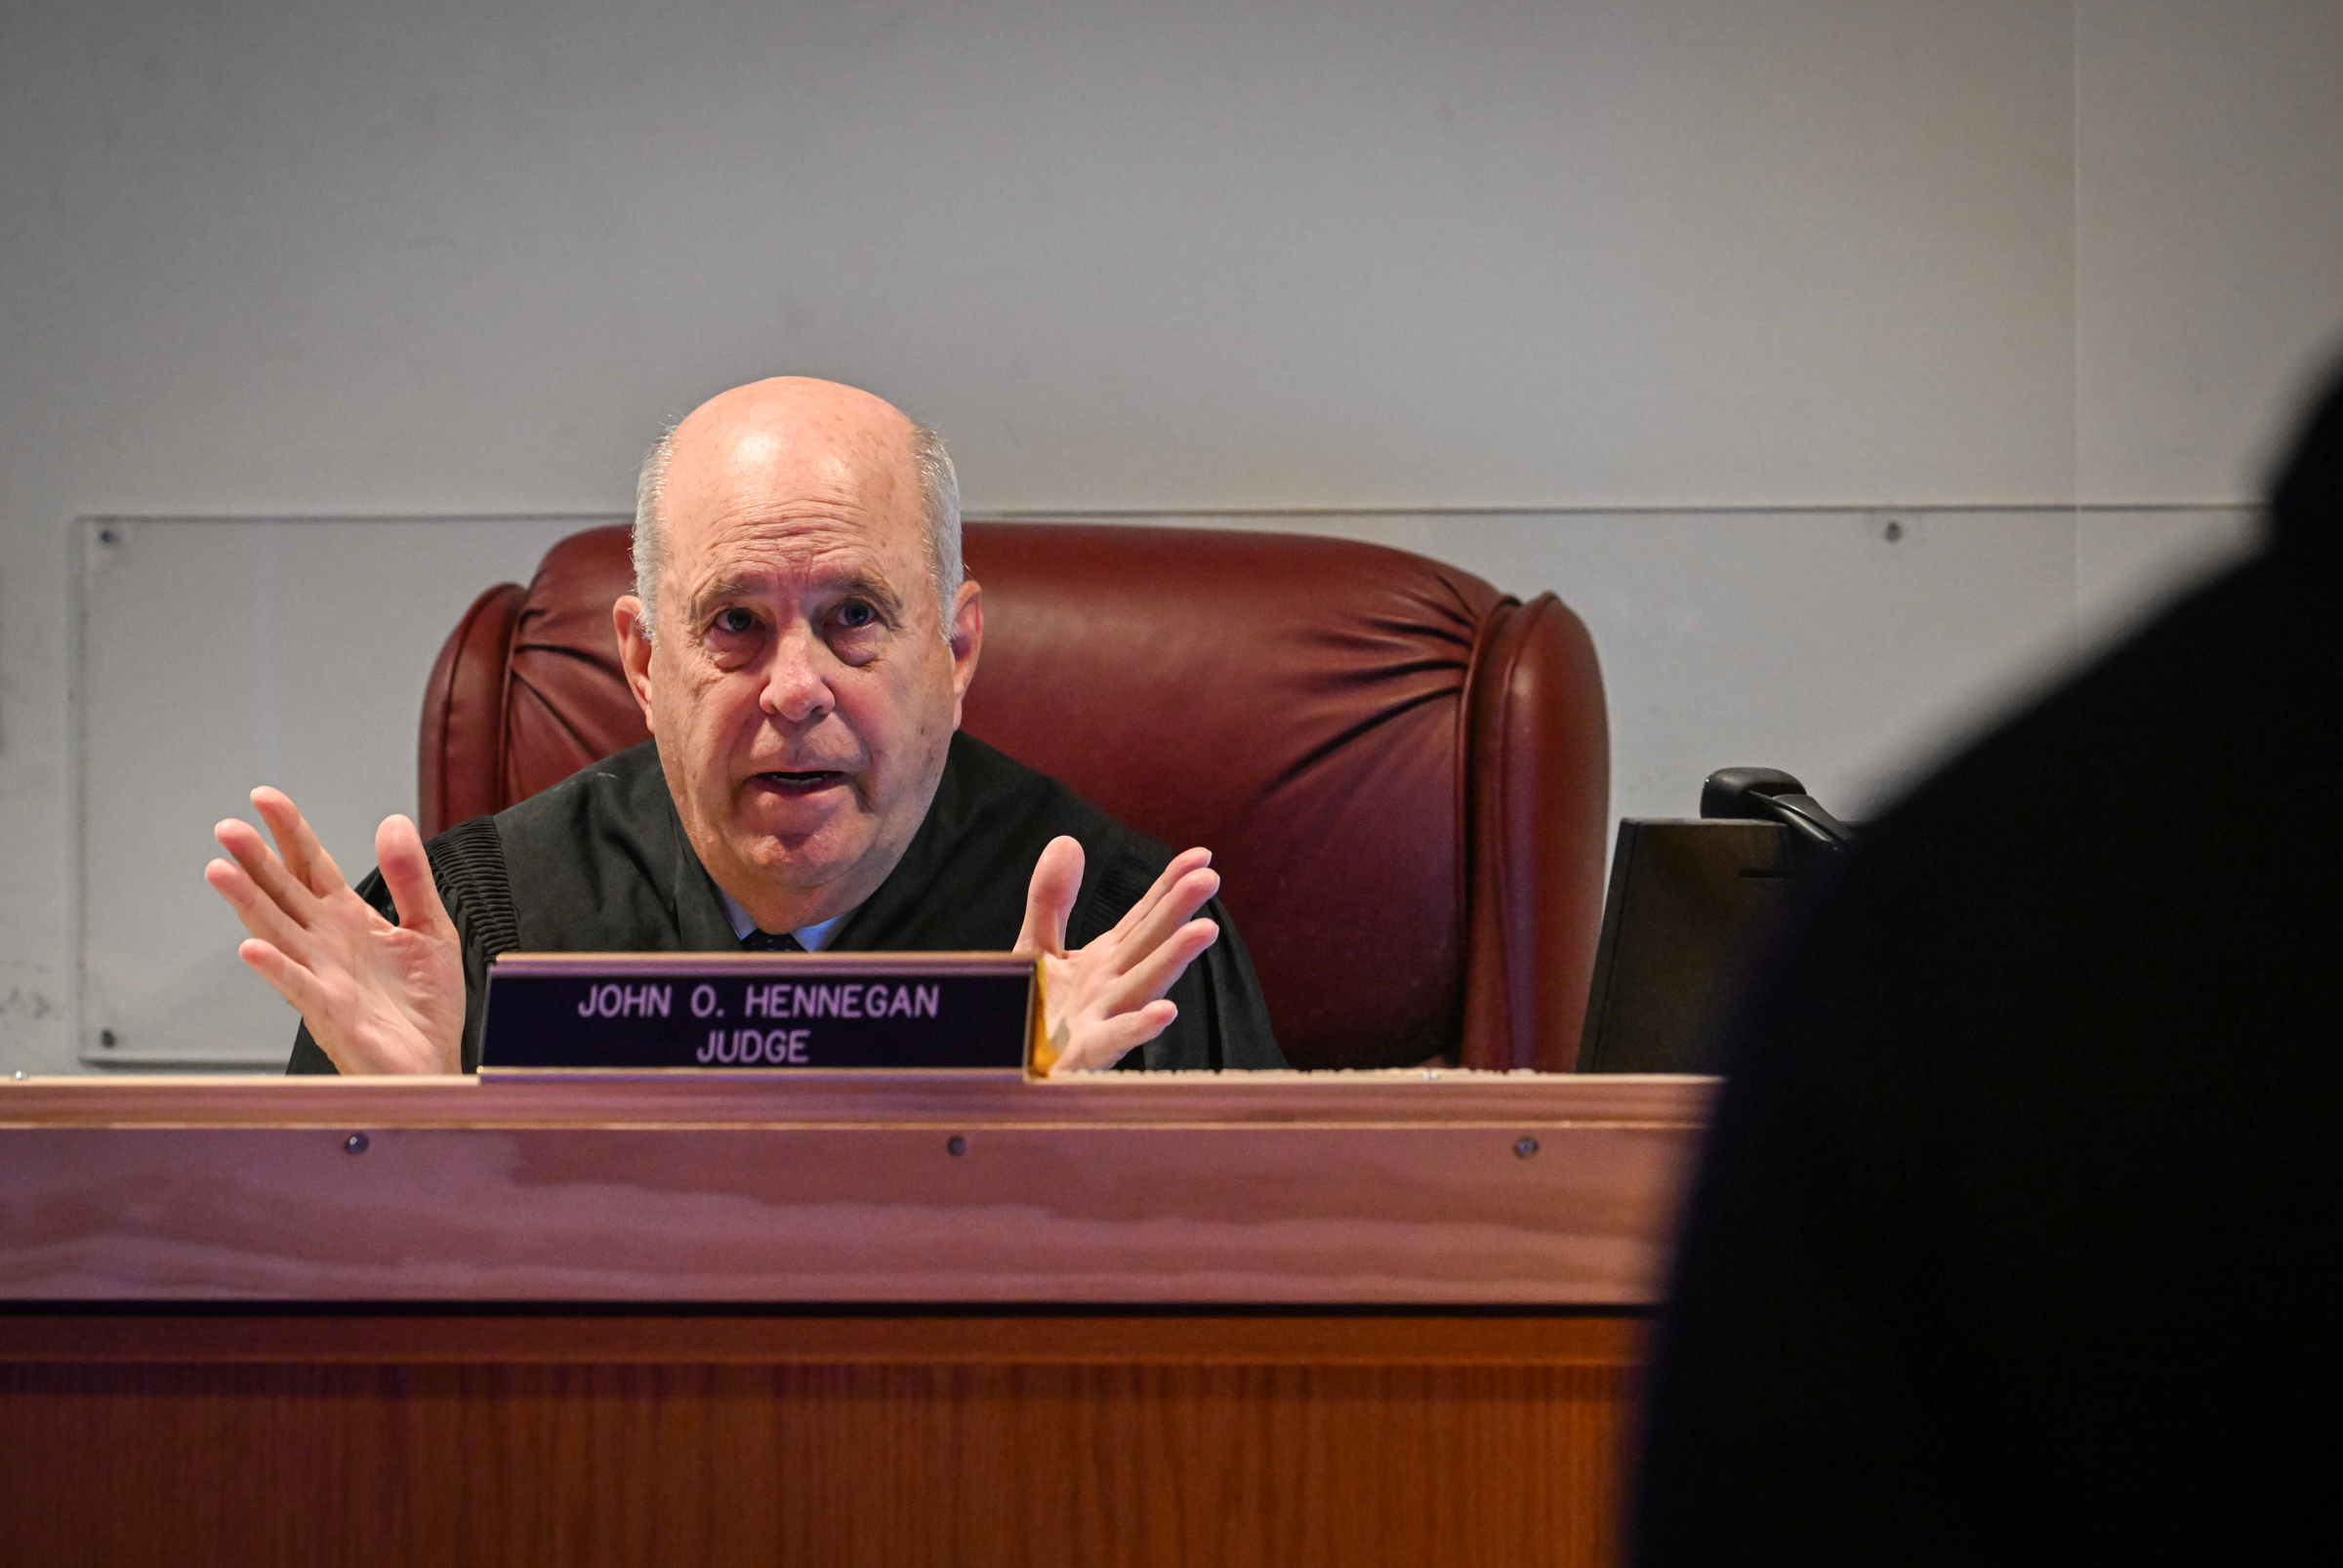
(939, 507)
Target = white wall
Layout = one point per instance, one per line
(1705, 289)
(2208, 239)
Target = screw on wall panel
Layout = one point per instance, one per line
(956, 1146)
(1523, 1148)
(105, 1038)
(107, 536)
(355, 1143)
(1893, 531)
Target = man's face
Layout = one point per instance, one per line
(801, 688)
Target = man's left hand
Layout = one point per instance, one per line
(1107, 998)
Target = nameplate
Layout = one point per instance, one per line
(756, 1012)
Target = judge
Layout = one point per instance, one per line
(800, 639)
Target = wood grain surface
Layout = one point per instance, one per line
(239, 1415)
(1022, 1336)
(1233, 1439)
(815, 1097)
(1366, 1188)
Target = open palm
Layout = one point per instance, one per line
(377, 996)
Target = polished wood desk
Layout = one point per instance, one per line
(828, 1318)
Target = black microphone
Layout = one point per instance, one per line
(1769, 795)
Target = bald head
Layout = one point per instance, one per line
(795, 434)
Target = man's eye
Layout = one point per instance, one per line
(735, 621)
(855, 615)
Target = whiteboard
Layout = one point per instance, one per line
(219, 653)
(1850, 647)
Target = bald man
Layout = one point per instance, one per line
(800, 639)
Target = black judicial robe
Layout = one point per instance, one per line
(599, 863)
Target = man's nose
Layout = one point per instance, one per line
(796, 681)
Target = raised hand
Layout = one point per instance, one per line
(1107, 998)
(379, 997)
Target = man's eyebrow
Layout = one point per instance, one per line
(875, 589)
(849, 584)
(721, 588)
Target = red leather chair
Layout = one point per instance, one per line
(1403, 774)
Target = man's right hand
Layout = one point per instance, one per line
(379, 997)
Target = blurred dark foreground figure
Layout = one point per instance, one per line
(2016, 1238)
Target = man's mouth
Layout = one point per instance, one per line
(809, 782)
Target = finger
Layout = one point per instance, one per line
(1159, 968)
(1050, 898)
(291, 981)
(1183, 863)
(305, 859)
(407, 875)
(260, 914)
(242, 840)
(1179, 904)
(1108, 1041)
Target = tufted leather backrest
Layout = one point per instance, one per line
(1402, 773)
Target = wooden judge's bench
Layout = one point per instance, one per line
(829, 1318)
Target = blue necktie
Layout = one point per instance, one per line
(772, 942)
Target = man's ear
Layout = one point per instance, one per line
(634, 651)
(967, 640)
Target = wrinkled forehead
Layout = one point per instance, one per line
(761, 556)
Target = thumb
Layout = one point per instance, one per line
(1057, 879)
(407, 875)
